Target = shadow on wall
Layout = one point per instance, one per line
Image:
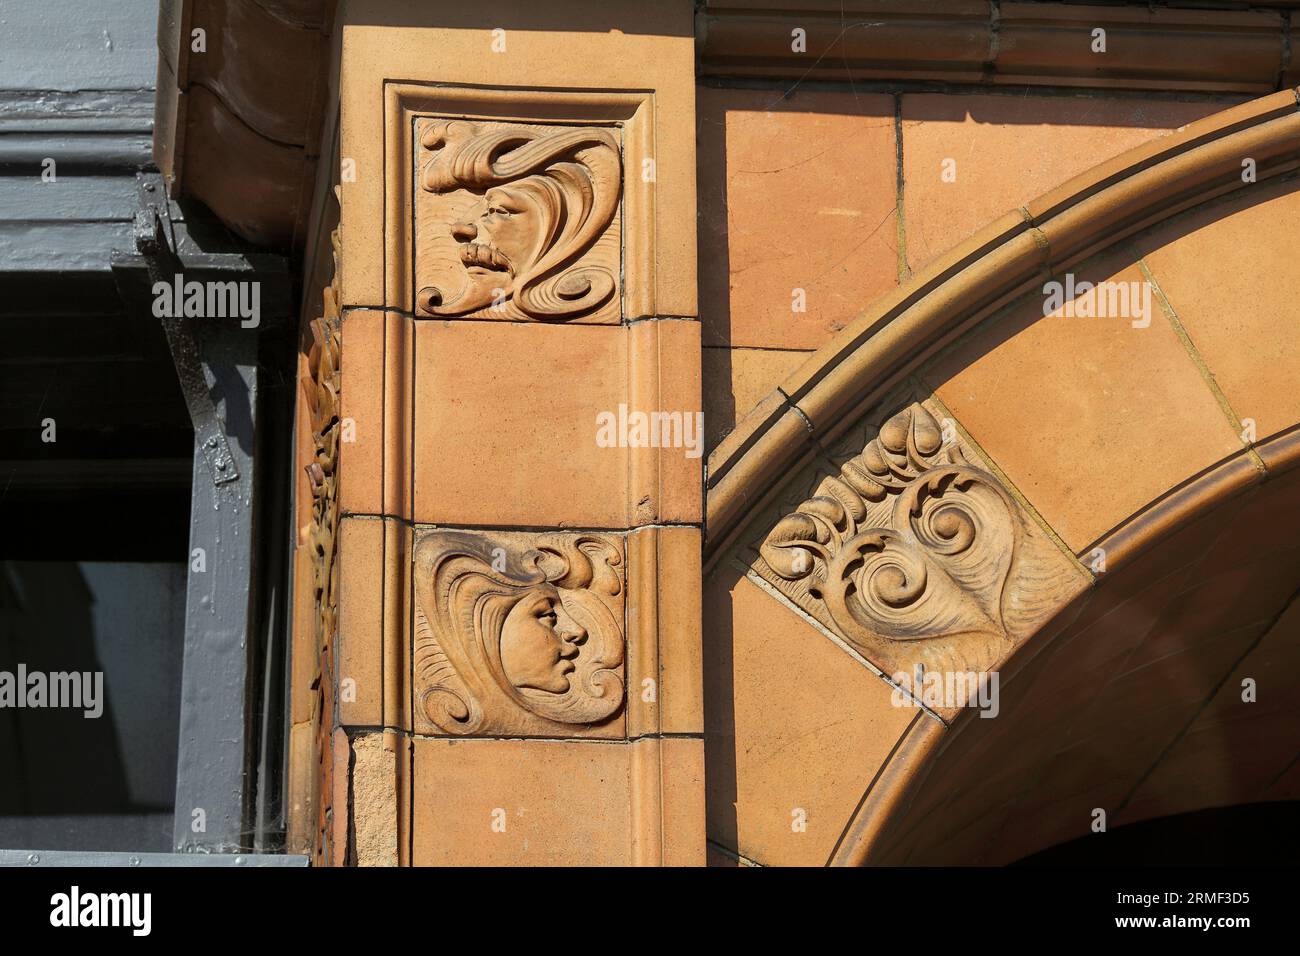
(1132, 703)
(720, 711)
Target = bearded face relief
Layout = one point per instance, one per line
(504, 233)
(519, 634)
(517, 222)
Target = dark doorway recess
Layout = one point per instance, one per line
(1256, 834)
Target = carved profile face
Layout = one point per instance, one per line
(517, 641)
(539, 642)
(544, 197)
(504, 234)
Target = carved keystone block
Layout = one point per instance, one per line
(519, 634)
(914, 553)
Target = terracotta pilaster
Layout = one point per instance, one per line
(517, 655)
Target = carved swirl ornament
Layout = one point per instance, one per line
(908, 542)
(544, 196)
(514, 640)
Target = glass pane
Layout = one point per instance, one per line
(90, 676)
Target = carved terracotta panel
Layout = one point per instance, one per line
(519, 634)
(904, 544)
(517, 221)
(320, 408)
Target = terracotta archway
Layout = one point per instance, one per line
(1140, 474)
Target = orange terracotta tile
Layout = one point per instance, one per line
(506, 424)
(1009, 149)
(795, 728)
(514, 442)
(336, 837)
(1240, 314)
(663, 632)
(361, 412)
(359, 643)
(450, 675)
(581, 44)
(735, 380)
(667, 483)
(399, 349)
(301, 786)
(795, 192)
(879, 823)
(668, 806)
(1090, 418)
(521, 803)
(304, 653)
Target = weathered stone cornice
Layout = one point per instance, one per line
(1221, 47)
(240, 107)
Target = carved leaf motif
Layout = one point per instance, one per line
(320, 393)
(940, 569)
(909, 542)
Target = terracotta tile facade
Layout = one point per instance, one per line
(969, 159)
(787, 762)
(569, 636)
(1104, 387)
(518, 658)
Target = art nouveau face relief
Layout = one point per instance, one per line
(539, 642)
(517, 639)
(534, 201)
(503, 234)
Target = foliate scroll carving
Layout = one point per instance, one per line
(519, 634)
(321, 398)
(911, 553)
(526, 228)
(321, 389)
